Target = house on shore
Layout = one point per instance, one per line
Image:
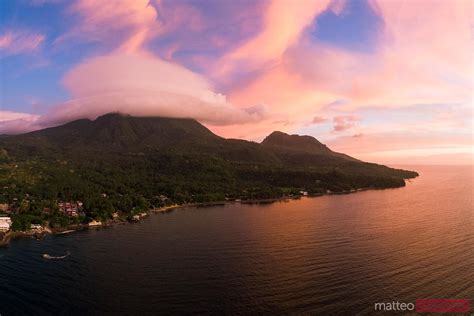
(36, 227)
(5, 223)
(71, 209)
(95, 223)
(71, 213)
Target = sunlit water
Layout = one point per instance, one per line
(325, 255)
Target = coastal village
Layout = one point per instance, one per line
(68, 209)
(74, 210)
(5, 223)
(73, 215)
(71, 209)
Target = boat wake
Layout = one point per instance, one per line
(46, 256)
(65, 232)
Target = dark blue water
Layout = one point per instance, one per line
(326, 255)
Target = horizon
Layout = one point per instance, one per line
(363, 77)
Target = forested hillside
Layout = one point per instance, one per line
(127, 164)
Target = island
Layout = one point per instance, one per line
(116, 168)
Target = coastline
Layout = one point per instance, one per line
(7, 237)
(11, 235)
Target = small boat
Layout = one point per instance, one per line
(65, 232)
(46, 256)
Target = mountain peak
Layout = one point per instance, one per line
(279, 141)
(297, 142)
(112, 115)
(119, 131)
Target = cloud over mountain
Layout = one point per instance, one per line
(140, 86)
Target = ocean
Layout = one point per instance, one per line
(336, 254)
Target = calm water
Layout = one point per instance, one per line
(332, 254)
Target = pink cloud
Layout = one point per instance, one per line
(9, 115)
(194, 37)
(405, 70)
(407, 148)
(344, 122)
(338, 7)
(393, 141)
(284, 23)
(40, 3)
(281, 78)
(15, 122)
(413, 59)
(178, 16)
(140, 86)
(132, 22)
(131, 79)
(16, 41)
(318, 120)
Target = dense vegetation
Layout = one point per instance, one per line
(128, 164)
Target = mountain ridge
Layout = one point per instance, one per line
(118, 131)
(121, 133)
(132, 160)
(281, 141)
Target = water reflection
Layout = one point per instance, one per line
(332, 254)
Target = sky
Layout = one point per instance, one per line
(387, 81)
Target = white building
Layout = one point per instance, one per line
(5, 223)
(36, 227)
(95, 223)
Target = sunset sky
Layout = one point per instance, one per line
(386, 81)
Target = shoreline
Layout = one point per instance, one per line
(11, 235)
